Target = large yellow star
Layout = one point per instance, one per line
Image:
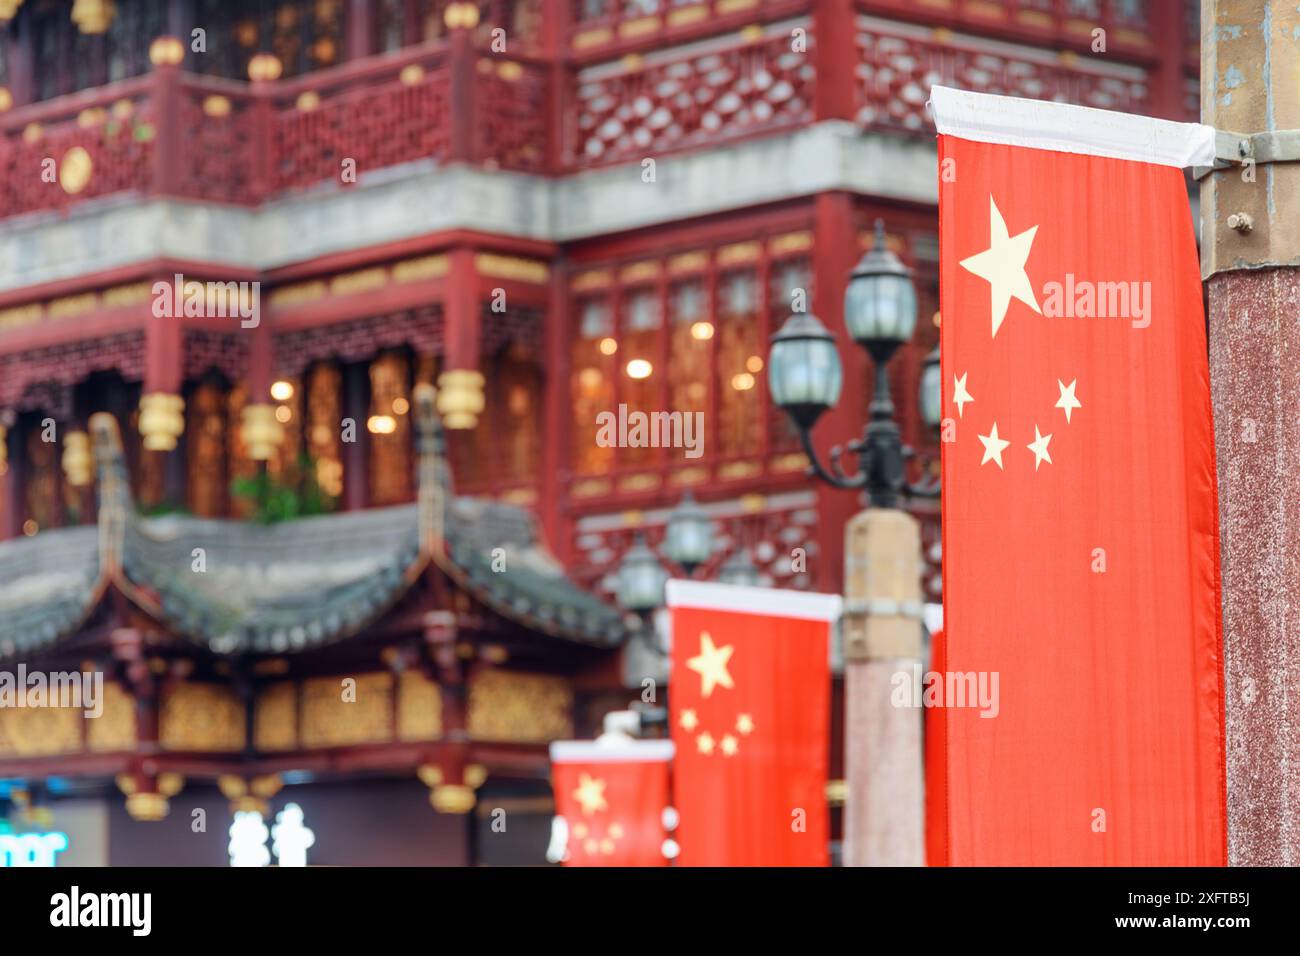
(711, 665)
(1002, 265)
(591, 794)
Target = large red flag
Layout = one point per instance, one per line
(750, 712)
(1080, 537)
(611, 799)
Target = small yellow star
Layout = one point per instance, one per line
(607, 846)
(689, 721)
(705, 742)
(591, 794)
(616, 831)
(729, 745)
(591, 846)
(744, 724)
(580, 831)
(711, 665)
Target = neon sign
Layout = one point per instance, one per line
(31, 849)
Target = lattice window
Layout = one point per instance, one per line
(43, 491)
(324, 420)
(390, 430)
(739, 359)
(594, 362)
(68, 60)
(305, 34)
(691, 334)
(205, 450)
(514, 387)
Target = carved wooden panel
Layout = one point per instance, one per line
(524, 708)
(203, 717)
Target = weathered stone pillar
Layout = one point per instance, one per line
(1250, 255)
(883, 761)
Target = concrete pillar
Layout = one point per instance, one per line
(1250, 255)
(883, 761)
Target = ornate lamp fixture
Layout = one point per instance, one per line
(93, 16)
(931, 397)
(688, 537)
(162, 420)
(641, 578)
(461, 16)
(458, 798)
(9, 9)
(740, 569)
(806, 377)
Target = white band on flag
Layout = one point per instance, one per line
(773, 602)
(596, 751)
(1043, 124)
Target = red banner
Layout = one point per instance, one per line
(750, 711)
(1080, 536)
(610, 799)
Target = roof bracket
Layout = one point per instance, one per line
(1239, 149)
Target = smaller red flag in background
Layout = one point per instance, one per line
(750, 711)
(612, 798)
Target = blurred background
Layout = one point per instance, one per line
(536, 210)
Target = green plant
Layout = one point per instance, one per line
(274, 499)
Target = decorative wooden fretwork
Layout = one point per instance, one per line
(330, 720)
(520, 708)
(419, 707)
(275, 717)
(706, 96)
(202, 717)
(114, 729)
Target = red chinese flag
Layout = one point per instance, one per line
(611, 798)
(750, 710)
(1080, 535)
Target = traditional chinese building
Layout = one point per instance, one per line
(545, 209)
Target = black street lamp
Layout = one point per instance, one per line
(805, 376)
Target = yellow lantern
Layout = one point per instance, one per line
(78, 462)
(264, 67)
(9, 8)
(460, 397)
(162, 420)
(93, 16)
(166, 51)
(261, 432)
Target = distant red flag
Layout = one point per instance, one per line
(750, 712)
(611, 798)
(1080, 535)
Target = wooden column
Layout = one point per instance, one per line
(359, 30)
(835, 55)
(835, 251)
(557, 416)
(460, 64)
(1167, 28)
(11, 484)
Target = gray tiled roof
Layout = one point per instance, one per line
(291, 586)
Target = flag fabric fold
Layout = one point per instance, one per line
(1080, 521)
(610, 799)
(750, 711)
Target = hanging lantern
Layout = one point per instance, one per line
(166, 51)
(261, 431)
(162, 420)
(460, 397)
(9, 9)
(78, 463)
(461, 16)
(93, 16)
(264, 67)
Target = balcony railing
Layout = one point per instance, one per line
(178, 134)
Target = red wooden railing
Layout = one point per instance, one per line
(176, 134)
(179, 134)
